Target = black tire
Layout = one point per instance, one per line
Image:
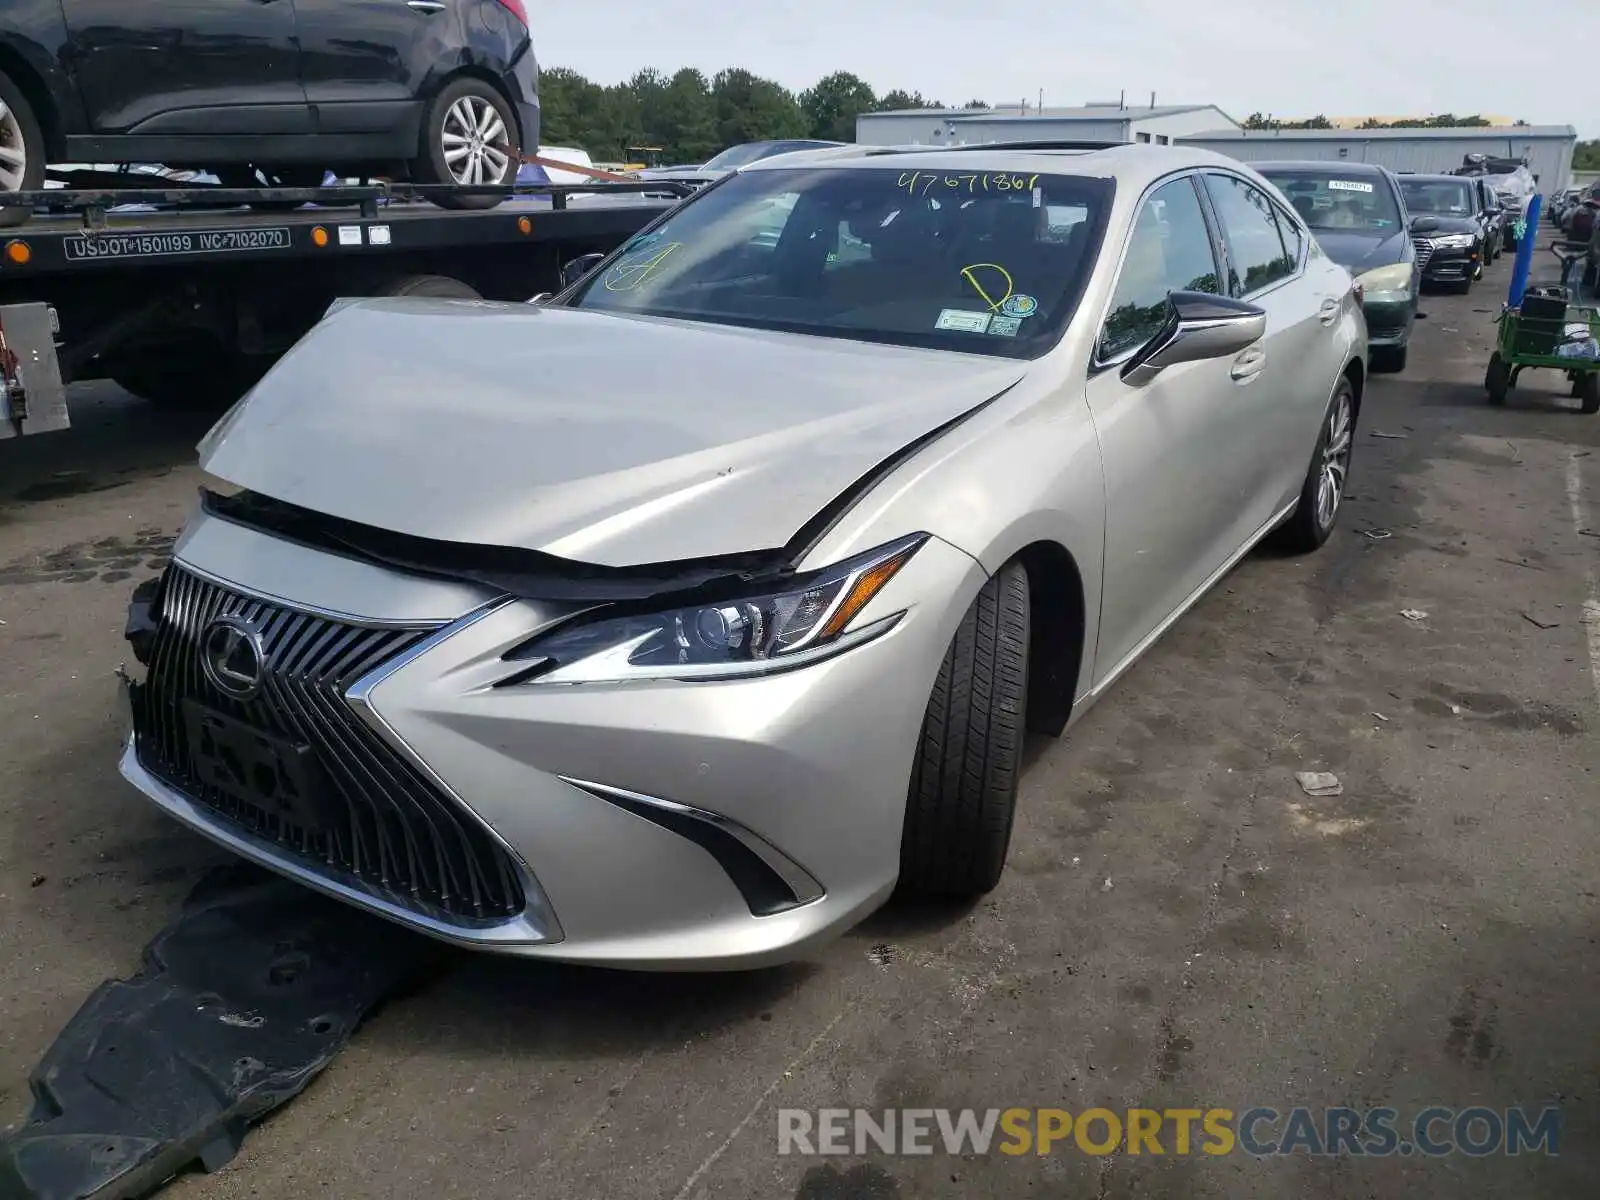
(1497, 379)
(32, 148)
(191, 382)
(248, 175)
(1588, 389)
(1306, 530)
(963, 794)
(430, 165)
(441, 287)
(1390, 359)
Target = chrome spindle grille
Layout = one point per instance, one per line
(379, 820)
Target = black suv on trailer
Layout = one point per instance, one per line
(269, 91)
(1452, 251)
(1356, 213)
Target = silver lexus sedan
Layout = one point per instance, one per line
(693, 674)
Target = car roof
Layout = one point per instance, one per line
(1330, 165)
(1132, 163)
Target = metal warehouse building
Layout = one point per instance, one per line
(1116, 122)
(1548, 148)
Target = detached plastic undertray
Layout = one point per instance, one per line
(242, 1000)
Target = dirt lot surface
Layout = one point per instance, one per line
(1181, 925)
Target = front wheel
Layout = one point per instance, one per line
(469, 138)
(21, 149)
(963, 793)
(1497, 379)
(1322, 493)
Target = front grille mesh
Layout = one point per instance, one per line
(388, 826)
(1424, 252)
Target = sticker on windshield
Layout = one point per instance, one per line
(1348, 185)
(958, 320)
(1005, 326)
(1019, 305)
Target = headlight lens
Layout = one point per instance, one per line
(803, 621)
(1454, 241)
(1396, 277)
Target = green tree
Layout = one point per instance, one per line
(831, 106)
(897, 99)
(750, 108)
(1586, 156)
(685, 125)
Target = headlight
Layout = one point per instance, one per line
(765, 630)
(1454, 241)
(1394, 278)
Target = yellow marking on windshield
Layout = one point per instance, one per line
(970, 274)
(629, 275)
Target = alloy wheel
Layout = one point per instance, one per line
(1335, 461)
(13, 150)
(474, 142)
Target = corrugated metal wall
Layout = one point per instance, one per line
(1024, 129)
(1548, 158)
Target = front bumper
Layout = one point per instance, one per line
(1451, 265)
(666, 825)
(1389, 321)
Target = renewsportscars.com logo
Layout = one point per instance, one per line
(1432, 1132)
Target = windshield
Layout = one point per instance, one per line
(987, 262)
(1353, 201)
(1442, 197)
(736, 156)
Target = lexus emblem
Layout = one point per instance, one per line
(231, 657)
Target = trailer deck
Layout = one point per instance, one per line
(185, 294)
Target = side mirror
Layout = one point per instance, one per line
(1198, 326)
(575, 269)
(1424, 224)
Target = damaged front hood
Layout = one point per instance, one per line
(601, 439)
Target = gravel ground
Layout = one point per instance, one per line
(1181, 926)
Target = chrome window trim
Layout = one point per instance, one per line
(1299, 266)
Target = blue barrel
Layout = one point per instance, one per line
(1519, 273)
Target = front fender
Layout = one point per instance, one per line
(1024, 471)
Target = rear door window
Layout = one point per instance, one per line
(1259, 255)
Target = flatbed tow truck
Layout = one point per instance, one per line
(186, 294)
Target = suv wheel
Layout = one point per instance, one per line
(21, 149)
(469, 138)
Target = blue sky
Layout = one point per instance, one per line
(1292, 58)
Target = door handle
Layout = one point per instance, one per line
(1329, 312)
(425, 6)
(1248, 365)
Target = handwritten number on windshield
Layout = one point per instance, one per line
(921, 183)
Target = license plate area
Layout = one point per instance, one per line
(280, 777)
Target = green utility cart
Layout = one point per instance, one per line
(1532, 334)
